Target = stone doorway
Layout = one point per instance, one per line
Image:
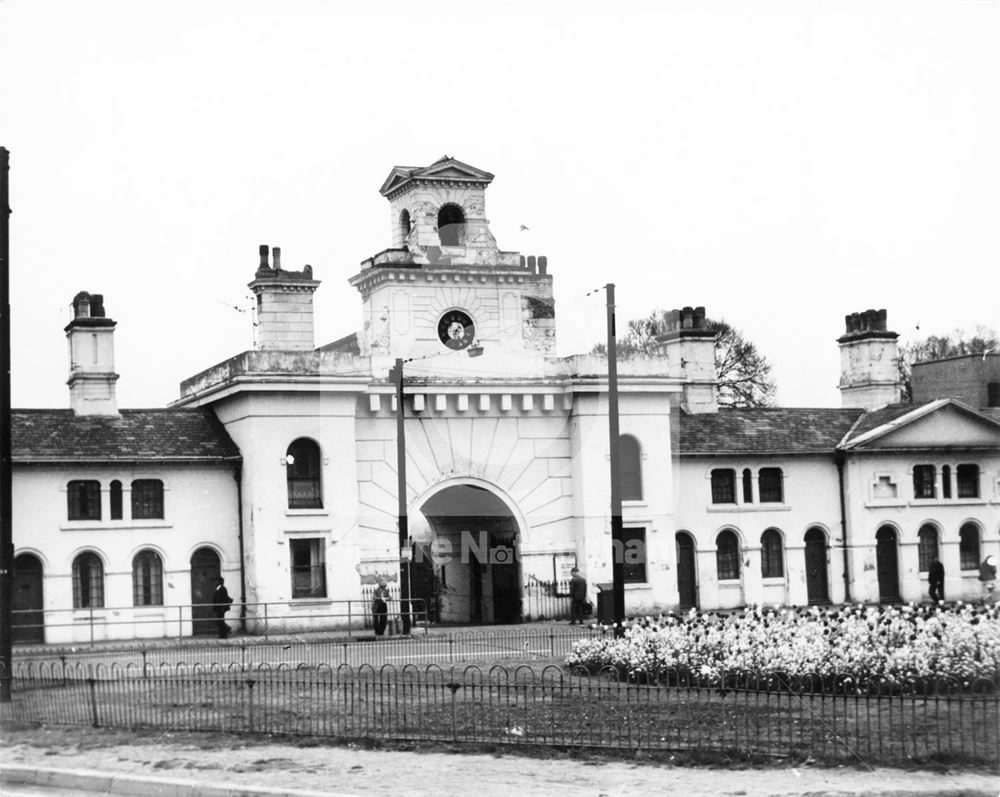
(472, 541)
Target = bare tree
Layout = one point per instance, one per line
(743, 374)
(937, 347)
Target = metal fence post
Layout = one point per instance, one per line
(92, 683)
(250, 683)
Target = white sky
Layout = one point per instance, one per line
(783, 164)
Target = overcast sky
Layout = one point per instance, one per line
(783, 164)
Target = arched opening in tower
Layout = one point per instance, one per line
(451, 225)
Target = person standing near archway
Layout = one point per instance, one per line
(221, 603)
(988, 575)
(935, 580)
(577, 596)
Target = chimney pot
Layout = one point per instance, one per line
(263, 256)
(96, 305)
(276, 257)
(543, 265)
(531, 263)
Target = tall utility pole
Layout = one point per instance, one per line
(6, 476)
(396, 374)
(617, 534)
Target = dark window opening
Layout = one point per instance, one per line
(147, 499)
(747, 486)
(631, 468)
(88, 582)
(923, 481)
(303, 473)
(968, 481)
(927, 547)
(769, 485)
(946, 481)
(723, 486)
(634, 556)
(84, 500)
(968, 547)
(116, 500)
(771, 558)
(451, 225)
(308, 568)
(404, 223)
(727, 556)
(993, 394)
(147, 579)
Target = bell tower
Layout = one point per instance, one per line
(445, 284)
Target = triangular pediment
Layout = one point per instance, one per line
(945, 423)
(444, 168)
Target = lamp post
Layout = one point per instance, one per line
(396, 375)
(402, 519)
(617, 533)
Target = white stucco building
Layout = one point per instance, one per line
(277, 468)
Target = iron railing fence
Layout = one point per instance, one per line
(95, 624)
(438, 647)
(731, 714)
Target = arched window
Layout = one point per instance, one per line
(451, 225)
(83, 499)
(927, 547)
(769, 486)
(147, 499)
(404, 223)
(747, 486)
(88, 581)
(771, 558)
(147, 579)
(631, 468)
(968, 546)
(723, 486)
(946, 481)
(727, 555)
(302, 466)
(115, 495)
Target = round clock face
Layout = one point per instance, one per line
(456, 330)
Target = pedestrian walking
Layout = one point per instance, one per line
(577, 596)
(988, 575)
(935, 580)
(221, 603)
(380, 607)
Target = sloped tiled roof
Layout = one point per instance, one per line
(883, 415)
(765, 430)
(160, 435)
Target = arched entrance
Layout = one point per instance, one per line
(466, 566)
(887, 565)
(28, 617)
(817, 585)
(205, 569)
(687, 584)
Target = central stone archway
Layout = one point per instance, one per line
(466, 564)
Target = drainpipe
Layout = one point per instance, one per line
(238, 475)
(839, 456)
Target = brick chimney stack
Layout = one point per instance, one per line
(689, 345)
(92, 374)
(284, 304)
(869, 361)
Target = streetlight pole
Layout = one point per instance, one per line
(617, 533)
(6, 460)
(396, 374)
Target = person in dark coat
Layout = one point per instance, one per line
(221, 603)
(577, 596)
(935, 580)
(988, 575)
(380, 607)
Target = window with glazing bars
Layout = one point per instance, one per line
(771, 559)
(927, 547)
(967, 477)
(723, 486)
(727, 556)
(968, 547)
(88, 581)
(147, 579)
(303, 474)
(308, 568)
(923, 481)
(769, 486)
(83, 499)
(147, 499)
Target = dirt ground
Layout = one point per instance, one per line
(401, 772)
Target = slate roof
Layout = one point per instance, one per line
(765, 430)
(157, 435)
(883, 415)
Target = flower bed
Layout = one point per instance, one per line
(851, 646)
